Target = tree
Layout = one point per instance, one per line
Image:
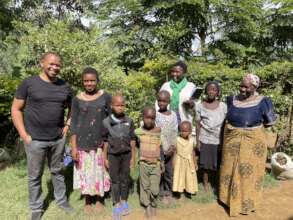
(6, 17)
(40, 12)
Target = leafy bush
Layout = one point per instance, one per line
(7, 90)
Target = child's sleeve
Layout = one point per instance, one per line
(269, 116)
(132, 131)
(108, 104)
(105, 131)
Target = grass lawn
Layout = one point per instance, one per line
(14, 196)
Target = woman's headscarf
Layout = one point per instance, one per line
(254, 79)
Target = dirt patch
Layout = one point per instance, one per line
(277, 205)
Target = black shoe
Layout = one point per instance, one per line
(66, 207)
(37, 215)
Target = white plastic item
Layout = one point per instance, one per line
(282, 172)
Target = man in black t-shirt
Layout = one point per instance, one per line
(38, 115)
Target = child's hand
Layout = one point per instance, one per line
(162, 165)
(171, 150)
(74, 154)
(173, 163)
(106, 164)
(132, 162)
(188, 104)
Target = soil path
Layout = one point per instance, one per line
(277, 205)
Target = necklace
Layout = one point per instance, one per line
(94, 96)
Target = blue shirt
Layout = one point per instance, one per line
(251, 116)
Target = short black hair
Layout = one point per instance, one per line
(181, 64)
(185, 123)
(148, 108)
(90, 70)
(216, 83)
(49, 53)
(118, 94)
(164, 92)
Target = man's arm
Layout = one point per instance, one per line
(17, 118)
(67, 122)
(68, 116)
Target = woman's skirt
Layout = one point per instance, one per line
(242, 169)
(208, 157)
(90, 175)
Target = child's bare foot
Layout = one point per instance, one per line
(88, 209)
(153, 211)
(99, 206)
(206, 188)
(165, 200)
(148, 212)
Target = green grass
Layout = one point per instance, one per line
(14, 196)
(270, 181)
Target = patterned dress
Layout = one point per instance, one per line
(244, 154)
(90, 175)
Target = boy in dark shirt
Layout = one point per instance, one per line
(119, 150)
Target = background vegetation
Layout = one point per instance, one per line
(133, 42)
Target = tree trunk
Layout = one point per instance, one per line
(202, 36)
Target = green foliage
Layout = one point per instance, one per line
(78, 49)
(139, 91)
(5, 18)
(7, 90)
(134, 42)
(269, 181)
(277, 82)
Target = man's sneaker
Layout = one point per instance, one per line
(37, 215)
(66, 207)
(117, 213)
(125, 208)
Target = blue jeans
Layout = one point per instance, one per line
(37, 152)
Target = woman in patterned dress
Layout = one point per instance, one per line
(245, 148)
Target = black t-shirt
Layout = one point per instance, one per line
(45, 103)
